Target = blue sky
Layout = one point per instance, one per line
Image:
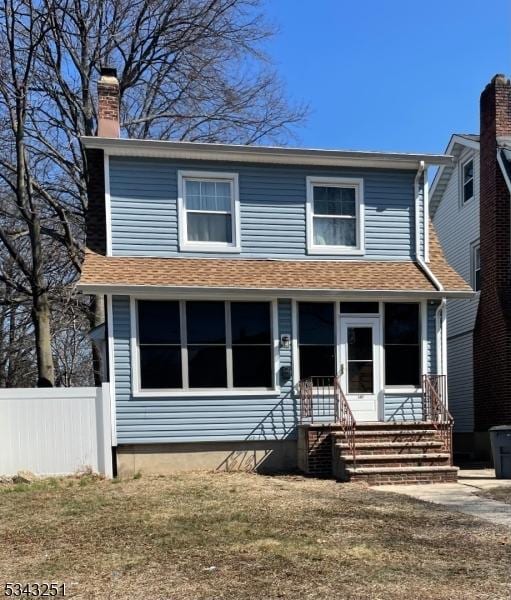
(390, 74)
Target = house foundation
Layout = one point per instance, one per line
(165, 459)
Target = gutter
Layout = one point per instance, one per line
(426, 270)
(261, 154)
(441, 311)
(127, 289)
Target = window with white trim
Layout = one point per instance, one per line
(334, 215)
(208, 207)
(476, 266)
(197, 345)
(467, 174)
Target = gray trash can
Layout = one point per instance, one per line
(500, 437)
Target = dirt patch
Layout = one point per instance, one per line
(242, 536)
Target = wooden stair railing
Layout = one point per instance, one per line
(434, 408)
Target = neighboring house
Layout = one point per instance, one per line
(454, 210)
(268, 307)
(470, 204)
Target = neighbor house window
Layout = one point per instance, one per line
(468, 180)
(316, 339)
(208, 209)
(476, 266)
(194, 345)
(402, 345)
(334, 215)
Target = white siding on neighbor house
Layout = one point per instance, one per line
(461, 381)
(457, 226)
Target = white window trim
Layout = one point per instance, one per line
(473, 247)
(187, 246)
(388, 390)
(462, 181)
(324, 249)
(138, 392)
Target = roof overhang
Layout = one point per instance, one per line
(222, 292)
(262, 154)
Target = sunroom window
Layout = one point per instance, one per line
(159, 339)
(402, 344)
(208, 211)
(334, 216)
(198, 345)
(316, 339)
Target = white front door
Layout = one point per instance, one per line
(359, 355)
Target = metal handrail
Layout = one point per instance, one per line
(346, 419)
(322, 397)
(434, 407)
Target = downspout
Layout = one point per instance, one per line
(441, 312)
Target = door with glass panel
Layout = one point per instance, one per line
(359, 356)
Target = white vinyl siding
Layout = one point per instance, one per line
(457, 226)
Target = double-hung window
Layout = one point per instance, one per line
(204, 345)
(335, 215)
(208, 208)
(467, 183)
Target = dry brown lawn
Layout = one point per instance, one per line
(239, 536)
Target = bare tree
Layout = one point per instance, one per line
(25, 28)
(188, 70)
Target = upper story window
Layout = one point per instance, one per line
(208, 208)
(335, 215)
(467, 175)
(475, 261)
(187, 346)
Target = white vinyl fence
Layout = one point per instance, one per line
(55, 431)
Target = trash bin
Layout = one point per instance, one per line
(500, 437)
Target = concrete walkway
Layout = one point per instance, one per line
(462, 496)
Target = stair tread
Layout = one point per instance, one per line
(417, 456)
(419, 444)
(369, 470)
(391, 432)
(390, 424)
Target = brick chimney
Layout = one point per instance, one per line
(108, 103)
(492, 335)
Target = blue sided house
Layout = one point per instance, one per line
(269, 308)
